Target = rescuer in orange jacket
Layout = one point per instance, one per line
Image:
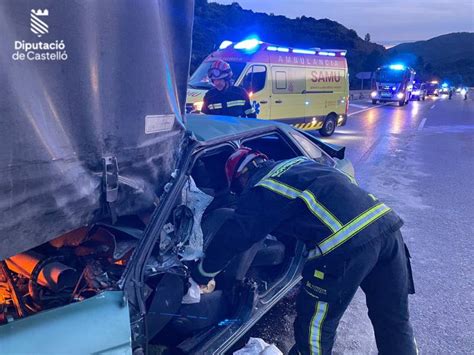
(353, 240)
(225, 98)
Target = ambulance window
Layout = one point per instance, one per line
(280, 80)
(255, 78)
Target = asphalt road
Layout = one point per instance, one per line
(419, 160)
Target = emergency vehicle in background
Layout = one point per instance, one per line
(432, 88)
(393, 83)
(308, 88)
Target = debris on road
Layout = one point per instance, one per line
(258, 346)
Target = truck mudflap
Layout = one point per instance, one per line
(98, 325)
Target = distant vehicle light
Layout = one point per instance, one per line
(400, 95)
(250, 94)
(225, 44)
(444, 85)
(397, 67)
(373, 94)
(343, 54)
(248, 44)
(272, 48)
(197, 106)
(434, 82)
(304, 51)
(394, 88)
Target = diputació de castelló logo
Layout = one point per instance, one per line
(52, 50)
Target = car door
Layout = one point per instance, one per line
(255, 83)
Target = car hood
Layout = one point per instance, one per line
(103, 98)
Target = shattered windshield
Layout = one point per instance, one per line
(200, 80)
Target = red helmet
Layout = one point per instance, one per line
(219, 70)
(238, 161)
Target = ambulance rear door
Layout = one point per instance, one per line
(288, 99)
(257, 85)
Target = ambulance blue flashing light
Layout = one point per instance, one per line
(248, 44)
(304, 51)
(444, 85)
(397, 67)
(225, 44)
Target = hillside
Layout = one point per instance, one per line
(447, 57)
(215, 23)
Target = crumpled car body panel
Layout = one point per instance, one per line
(119, 93)
(98, 325)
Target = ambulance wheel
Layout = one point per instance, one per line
(329, 126)
(374, 102)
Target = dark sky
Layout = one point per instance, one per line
(388, 21)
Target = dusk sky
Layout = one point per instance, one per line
(388, 22)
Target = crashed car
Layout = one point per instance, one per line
(109, 194)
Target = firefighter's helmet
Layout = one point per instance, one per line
(239, 163)
(220, 70)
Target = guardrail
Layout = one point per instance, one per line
(359, 95)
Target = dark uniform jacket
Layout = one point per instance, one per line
(233, 101)
(306, 200)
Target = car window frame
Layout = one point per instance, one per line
(294, 134)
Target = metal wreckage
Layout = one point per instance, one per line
(107, 192)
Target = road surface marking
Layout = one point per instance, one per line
(432, 107)
(359, 106)
(366, 109)
(422, 124)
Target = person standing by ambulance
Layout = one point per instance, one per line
(353, 240)
(224, 98)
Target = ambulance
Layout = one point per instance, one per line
(308, 88)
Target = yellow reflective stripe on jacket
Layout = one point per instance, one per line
(353, 227)
(320, 211)
(279, 188)
(315, 327)
(307, 196)
(235, 103)
(214, 106)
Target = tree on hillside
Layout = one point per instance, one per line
(367, 37)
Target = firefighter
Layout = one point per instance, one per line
(352, 239)
(225, 98)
